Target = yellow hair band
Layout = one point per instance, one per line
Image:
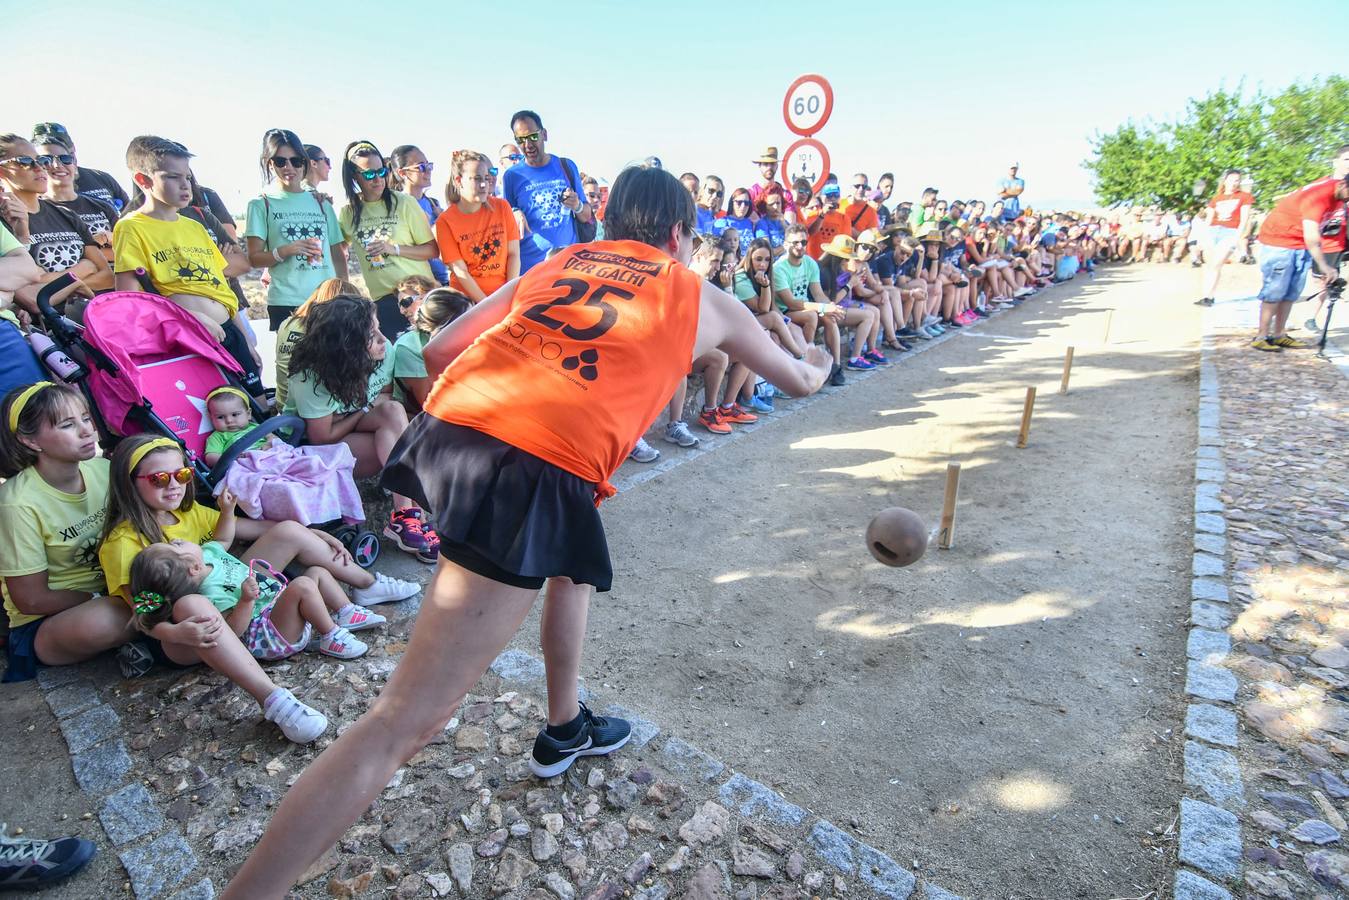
(144, 450)
(21, 401)
(360, 148)
(226, 389)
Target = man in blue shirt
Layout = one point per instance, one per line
(545, 190)
(1009, 190)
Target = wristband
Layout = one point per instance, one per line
(276, 255)
(822, 309)
(396, 250)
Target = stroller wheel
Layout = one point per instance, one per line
(364, 548)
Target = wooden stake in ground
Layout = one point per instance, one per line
(947, 534)
(1025, 418)
(1067, 370)
(1109, 318)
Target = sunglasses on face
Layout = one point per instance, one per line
(422, 167)
(162, 479)
(27, 162)
(405, 302)
(290, 162)
(861, 187)
(323, 159)
(374, 173)
(47, 160)
(514, 157)
(531, 138)
(796, 243)
(739, 201)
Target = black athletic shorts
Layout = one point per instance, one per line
(499, 511)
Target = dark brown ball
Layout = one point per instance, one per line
(897, 536)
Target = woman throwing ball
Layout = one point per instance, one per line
(544, 389)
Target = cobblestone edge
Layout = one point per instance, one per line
(1210, 836)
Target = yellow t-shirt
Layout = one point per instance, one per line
(404, 225)
(196, 525)
(179, 257)
(49, 530)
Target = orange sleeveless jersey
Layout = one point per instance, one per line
(596, 340)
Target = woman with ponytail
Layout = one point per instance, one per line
(478, 235)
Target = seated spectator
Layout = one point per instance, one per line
(753, 286)
(95, 214)
(437, 309)
(876, 270)
(52, 506)
(690, 182)
(411, 291)
(796, 284)
(923, 212)
(839, 283)
(803, 197)
(410, 172)
(319, 168)
(905, 257)
(341, 384)
(292, 329)
(885, 187)
(477, 234)
(768, 170)
(387, 231)
(291, 232)
(739, 216)
(828, 221)
(955, 264)
(58, 240)
(179, 257)
(708, 207)
(858, 209)
(17, 271)
(89, 182)
(771, 226)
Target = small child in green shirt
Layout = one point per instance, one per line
(227, 410)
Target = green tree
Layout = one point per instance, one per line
(1282, 140)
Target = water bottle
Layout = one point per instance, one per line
(55, 359)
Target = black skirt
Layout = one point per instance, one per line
(498, 510)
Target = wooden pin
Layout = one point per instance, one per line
(1109, 319)
(1025, 418)
(946, 535)
(1067, 370)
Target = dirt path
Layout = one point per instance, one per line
(999, 716)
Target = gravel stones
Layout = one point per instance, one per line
(1314, 831)
(707, 826)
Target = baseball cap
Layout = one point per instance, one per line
(830, 190)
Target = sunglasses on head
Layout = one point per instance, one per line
(162, 479)
(374, 173)
(291, 162)
(531, 138)
(422, 167)
(27, 162)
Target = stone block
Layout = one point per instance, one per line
(129, 814)
(72, 698)
(1214, 772)
(1210, 682)
(1210, 523)
(754, 799)
(834, 845)
(1207, 646)
(102, 768)
(685, 759)
(1209, 589)
(1211, 543)
(1190, 886)
(1210, 838)
(1207, 565)
(1211, 723)
(1209, 615)
(644, 731)
(517, 665)
(158, 866)
(88, 728)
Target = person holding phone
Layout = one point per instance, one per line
(545, 190)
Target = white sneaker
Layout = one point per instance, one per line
(1021, 292)
(931, 320)
(644, 452)
(385, 590)
(342, 644)
(678, 433)
(354, 617)
(298, 722)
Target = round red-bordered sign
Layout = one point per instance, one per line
(800, 161)
(808, 105)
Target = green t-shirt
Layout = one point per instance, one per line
(224, 582)
(797, 279)
(917, 216)
(405, 225)
(220, 441)
(407, 354)
(47, 530)
(310, 400)
(745, 289)
(8, 242)
(282, 218)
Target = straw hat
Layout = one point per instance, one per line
(770, 155)
(872, 237)
(929, 231)
(842, 246)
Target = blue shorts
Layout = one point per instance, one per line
(1219, 236)
(1283, 273)
(21, 660)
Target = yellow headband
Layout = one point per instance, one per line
(144, 450)
(21, 401)
(362, 146)
(226, 389)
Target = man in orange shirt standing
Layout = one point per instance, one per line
(1290, 246)
(544, 387)
(827, 221)
(858, 209)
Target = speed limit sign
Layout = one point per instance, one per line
(807, 159)
(808, 104)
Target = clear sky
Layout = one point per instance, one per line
(941, 94)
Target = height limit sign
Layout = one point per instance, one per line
(806, 108)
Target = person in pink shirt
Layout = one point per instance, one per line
(768, 170)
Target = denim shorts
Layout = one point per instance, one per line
(1283, 273)
(1220, 236)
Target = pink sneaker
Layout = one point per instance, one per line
(405, 529)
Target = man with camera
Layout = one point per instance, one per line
(1291, 245)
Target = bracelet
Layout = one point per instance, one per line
(276, 255)
(396, 250)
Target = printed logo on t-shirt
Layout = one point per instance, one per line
(56, 251)
(1227, 208)
(179, 259)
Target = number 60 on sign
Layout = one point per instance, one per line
(808, 104)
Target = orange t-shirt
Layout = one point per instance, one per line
(479, 240)
(860, 220)
(834, 223)
(596, 339)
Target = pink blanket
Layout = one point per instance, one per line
(311, 484)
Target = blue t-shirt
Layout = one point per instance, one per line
(883, 215)
(537, 193)
(909, 268)
(707, 220)
(773, 229)
(883, 265)
(437, 267)
(1011, 206)
(954, 255)
(745, 227)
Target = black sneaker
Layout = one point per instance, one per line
(28, 864)
(1204, 301)
(599, 736)
(836, 376)
(135, 659)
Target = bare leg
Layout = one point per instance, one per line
(831, 339)
(1280, 317)
(299, 603)
(465, 621)
(82, 632)
(562, 629)
(1267, 312)
(1214, 270)
(736, 379)
(675, 410)
(808, 319)
(229, 656)
(713, 365)
(286, 542)
(373, 441)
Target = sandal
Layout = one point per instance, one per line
(894, 344)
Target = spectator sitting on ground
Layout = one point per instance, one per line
(178, 255)
(754, 287)
(17, 271)
(803, 196)
(478, 235)
(341, 384)
(545, 189)
(438, 308)
(292, 329)
(885, 186)
(291, 232)
(771, 225)
(739, 216)
(410, 172)
(839, 284)
(922, 212)
(690, 182)
(796, 284)
(708, 207)
(387, 231)
(867, 285)
(410, 292)
(90, 182)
